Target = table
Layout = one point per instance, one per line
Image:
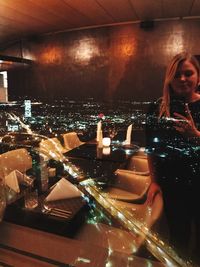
(100, 163)
(97, 166)
(114, 153)
(23, 246)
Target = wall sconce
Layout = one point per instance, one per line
(106, 141)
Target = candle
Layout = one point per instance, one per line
(106, 141)
(106, 150)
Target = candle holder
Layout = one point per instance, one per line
(106, 150)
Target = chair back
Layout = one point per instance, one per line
(128, 180)
(52, 144)
(51, 148)
(18, 159)
(71, 140)
(141, 153)
(138, 164)
(58, 145)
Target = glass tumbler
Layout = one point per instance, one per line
(31, 198)
(2, 199)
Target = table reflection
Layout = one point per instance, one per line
(90, 169)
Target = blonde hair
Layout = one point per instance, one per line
(169, 76)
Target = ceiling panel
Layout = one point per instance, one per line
(65, 14)
(23, 18)
(120, 10)
(178, 8)
(148, 9)
(92, 10)
(27, 13)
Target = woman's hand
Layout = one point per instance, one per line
(186, 124)
(154, 189)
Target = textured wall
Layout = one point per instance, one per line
(105, 63)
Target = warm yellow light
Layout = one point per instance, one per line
(106, 150)
(106, 141)
(85, 50)
(51, 55)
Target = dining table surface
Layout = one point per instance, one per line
(91, 161)
(116, 152)
(94, 163)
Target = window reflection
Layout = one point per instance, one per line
(42, 133)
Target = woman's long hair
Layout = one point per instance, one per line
(169, 76)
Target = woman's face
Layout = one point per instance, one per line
(186, 79)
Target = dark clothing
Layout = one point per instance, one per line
(175, 165)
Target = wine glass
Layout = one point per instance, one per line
(112, 132)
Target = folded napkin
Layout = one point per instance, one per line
(128, 135)
(12, 181)
(14, 178)
(99, 130)
(63, 190)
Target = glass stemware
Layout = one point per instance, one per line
(112, 132)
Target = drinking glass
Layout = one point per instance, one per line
(31, 198)
(112, 132)
(2, 199)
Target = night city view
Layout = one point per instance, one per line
(99, 133)
(51, 119)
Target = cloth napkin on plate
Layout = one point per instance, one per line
(63, 190)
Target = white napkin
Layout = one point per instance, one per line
(12, 181)
(128, 135)
(21, 177)
(100, 142)
(99, 130)
(63, 190)
(14, 178)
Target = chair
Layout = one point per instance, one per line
(71, 140)
(58, 145)
(128, 186)
(51, 148)
(149, 218)
(139, 165)
(141, 153)
(18, 159)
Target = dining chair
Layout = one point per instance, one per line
(51, 148)
(128, 186)
(71, 140)
(148, 217)
(139, 165)
(52, 144)
(18, 159)
(125, 240)
(141, 153)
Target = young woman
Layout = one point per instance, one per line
(173, 143)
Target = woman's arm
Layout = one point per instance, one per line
(154, 187)
(186, 126)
